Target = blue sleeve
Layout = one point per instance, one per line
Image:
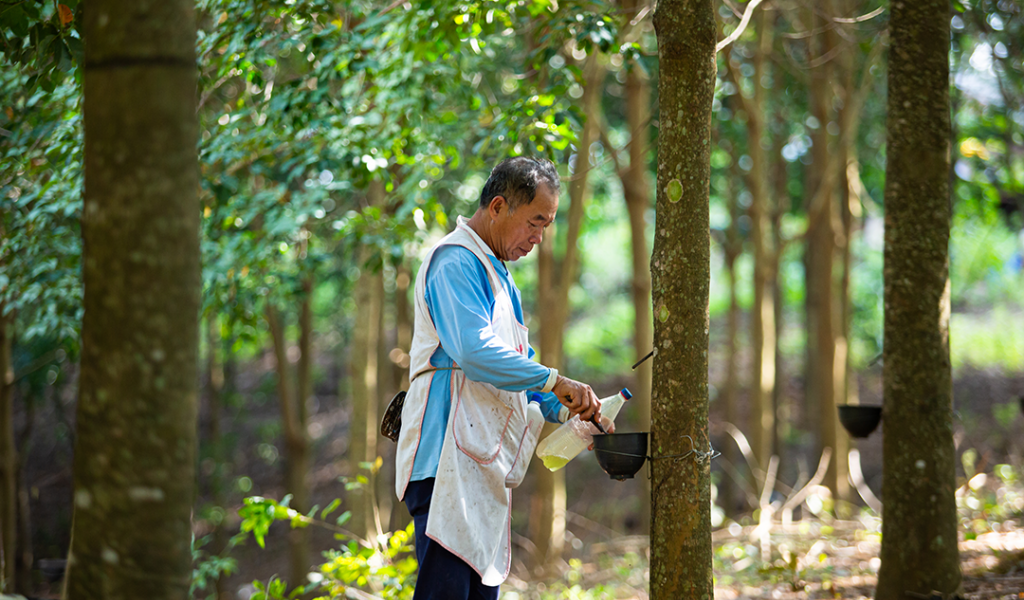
(460, 302)
(549, 405)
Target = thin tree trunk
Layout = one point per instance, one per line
(779, 206)
(823, 307)
(729, 491)
(8, 457)
(24, 560)
(364, 373)
(547, 503)
(400, 518)
(386, 388)
(296, 445)
(762, 374)
(638, 199)
(547, 508)
(681, 557)
(134, 466)
(919, 532)
(215, 391)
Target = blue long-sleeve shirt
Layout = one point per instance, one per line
(460, 300)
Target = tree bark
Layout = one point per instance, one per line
(681, 565)
(919, 532)
(135, 455)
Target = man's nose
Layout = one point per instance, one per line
(537, 238)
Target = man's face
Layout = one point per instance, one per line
(515, 234)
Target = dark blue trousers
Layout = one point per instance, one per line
(442, 575)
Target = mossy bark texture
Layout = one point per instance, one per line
(135, 455)
(681, 485)
(919, 534)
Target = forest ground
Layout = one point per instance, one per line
(606, 551)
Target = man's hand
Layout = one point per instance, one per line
(577, 397)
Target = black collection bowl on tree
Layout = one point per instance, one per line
(859, 420)
(621, 454)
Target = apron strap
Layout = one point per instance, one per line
(432, 369)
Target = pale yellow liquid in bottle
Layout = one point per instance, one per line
(554, 463)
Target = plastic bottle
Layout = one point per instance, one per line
(574, 435)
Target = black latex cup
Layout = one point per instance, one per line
(858, 419)
(621, 454)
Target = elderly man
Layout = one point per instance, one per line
(467, 432)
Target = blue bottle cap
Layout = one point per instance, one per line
(626, 393)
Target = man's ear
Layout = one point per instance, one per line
(497, 206)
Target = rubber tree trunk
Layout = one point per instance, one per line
(762, 374)
(761, 426)
(294, 421)
(729, 492)
(8, 458)
(681, 565)
(919, 531)
(780, 205)
(821, 281)
(400, 517)
(547, 508)
(369, 296)
(217, 351)
(134, 467)
(637, 194)
(844, 388)
(24, 560)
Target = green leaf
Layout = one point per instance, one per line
(327, 510)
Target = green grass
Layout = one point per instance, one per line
(992, 339)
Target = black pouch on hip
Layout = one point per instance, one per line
(391, 424)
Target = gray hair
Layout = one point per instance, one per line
(516, 180)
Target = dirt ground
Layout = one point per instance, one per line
(842, 564)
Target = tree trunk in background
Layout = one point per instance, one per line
(547, 503)
(762, 376)
(729, 492)
(638, 199)
(24, 560)
(386, 388)
(919, 532)
(134, 466)
(369, 296)
(547, 508)
(762, 312)
(782, 407)
(400, 517)
(8, 457)
(848, 155)
(293, 421)
(681, 556)
(215, 392)
(822, 305)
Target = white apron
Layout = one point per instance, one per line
(488, 442)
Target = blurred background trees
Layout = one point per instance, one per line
(339, 139)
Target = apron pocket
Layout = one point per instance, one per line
(525, 446)
(481, 420)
